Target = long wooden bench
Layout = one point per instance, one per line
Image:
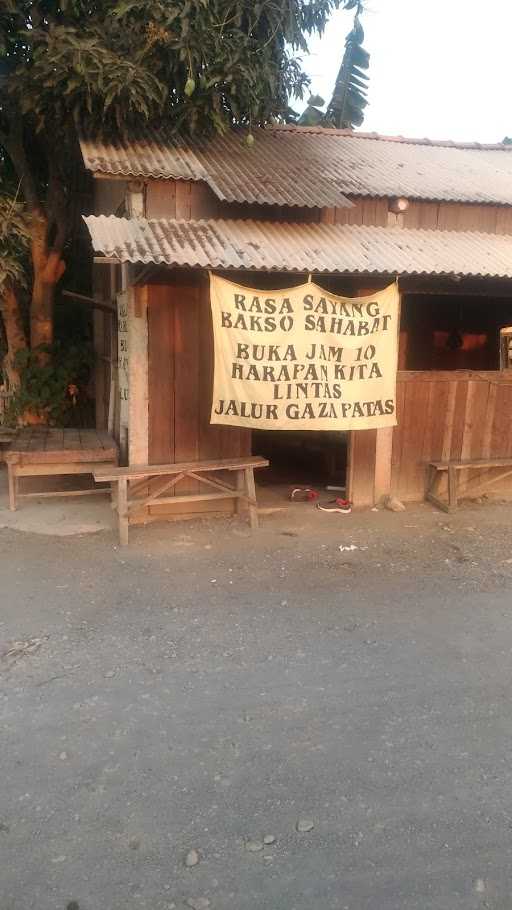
(136, 488)
(436, 470)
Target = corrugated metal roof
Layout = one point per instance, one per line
(408, 140)
(233, 170)
(304, 247)
(314, 167)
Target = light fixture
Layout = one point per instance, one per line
(398, 205)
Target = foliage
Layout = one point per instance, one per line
(313, 115)
(202, 64)
(14, 264)
(51, 389)
(114, 65)
(346, 109)
(14, 240)
(348, 102)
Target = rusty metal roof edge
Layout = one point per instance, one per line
(395, 230)
(382, 137)
(347, 197)
(343, 200)
(272, 247)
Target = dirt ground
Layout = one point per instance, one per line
(207, 687)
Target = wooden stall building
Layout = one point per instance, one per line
(355, 211)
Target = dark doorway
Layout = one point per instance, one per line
(313, 458)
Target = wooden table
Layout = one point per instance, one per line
(45, 452)
(148, 483)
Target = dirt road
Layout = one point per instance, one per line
(205, 688)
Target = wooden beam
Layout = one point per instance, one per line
(383, 451)
(95, 304)
(135, 505)
(138, 402)
(99, 175)
(154, 470)
(50, 494)
(495, 376)
(193, 497)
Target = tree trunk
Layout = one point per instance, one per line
(48, 270)
(13, 324)
(48, 232)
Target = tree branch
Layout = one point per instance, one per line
(57, 205)
(13, 145)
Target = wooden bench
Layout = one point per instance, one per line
(436, 469)
(47, 451)
(139, 486)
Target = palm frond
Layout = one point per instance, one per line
(313, 115)
(347, 105)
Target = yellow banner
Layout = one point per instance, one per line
(303, 359)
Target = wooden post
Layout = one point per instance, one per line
(98, 322)
(138, 406)
(122, 510)
(369, 457)
(123, 382)
(13, 483)
(383, 451)
(113, 494)
(452, 487)
(251, 493)
(240, 485)
(361, 467)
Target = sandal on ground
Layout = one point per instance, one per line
(303, 494)
(335, 505)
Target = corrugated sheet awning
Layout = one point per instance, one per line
(304, 166)
(304, 247)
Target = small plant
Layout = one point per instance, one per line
(49, 391)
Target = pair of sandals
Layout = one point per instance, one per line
(308, 494)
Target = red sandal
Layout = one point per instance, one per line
(303, 494)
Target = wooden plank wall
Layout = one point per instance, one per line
(453, 414)
(456, 216)
(185, 199)
(372, 212)
(194, 199)
(180, 382)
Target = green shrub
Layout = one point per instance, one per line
(51, 388)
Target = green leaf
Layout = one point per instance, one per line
(346, 108)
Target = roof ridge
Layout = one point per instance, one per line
(406, 140)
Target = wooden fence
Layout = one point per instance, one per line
(449, 415)
(455, 414)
